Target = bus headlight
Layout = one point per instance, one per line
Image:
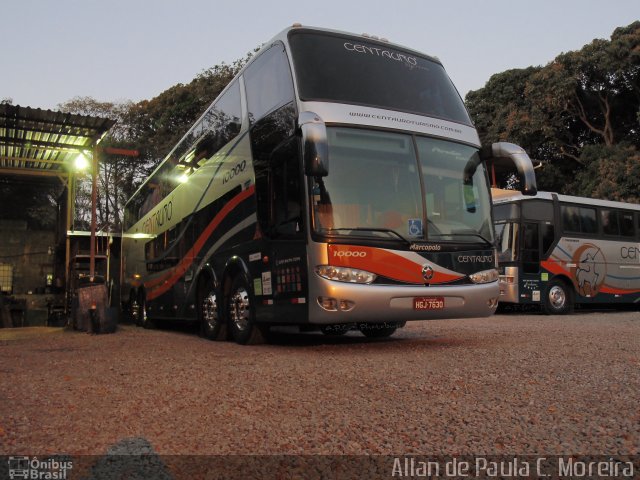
(344, 274)
(486, 276)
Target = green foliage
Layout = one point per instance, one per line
(500, 110)
(563, 112)
(611, 172)
(118, 176)
(152, 127)
(156, 125)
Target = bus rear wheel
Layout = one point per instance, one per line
(558, 298)
(211, 324)
(241, 315)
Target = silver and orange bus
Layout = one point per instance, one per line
(336, 182)
(556, 250)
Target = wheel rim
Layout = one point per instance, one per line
(240, 309)
(143, 313)
(557, 297)
(210, 311)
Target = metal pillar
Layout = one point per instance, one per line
(94, 198)
(71, 183)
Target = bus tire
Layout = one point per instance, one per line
(143, 317)
(212, 326)
(241, 315)
(133, 308)
(378, 330)
(558, 298)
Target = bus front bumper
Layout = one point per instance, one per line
(332, 302)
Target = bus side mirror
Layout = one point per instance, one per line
(315, 145)
(519, 158)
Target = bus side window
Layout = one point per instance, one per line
(610, 222)
(270, 100)
(581, 220)
(221, 123)
(548, 237)
(268, 83)
(570, 219)
(626, 224)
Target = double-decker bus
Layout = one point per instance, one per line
(558, 250)
(336, 182)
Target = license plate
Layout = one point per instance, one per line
(428, 303)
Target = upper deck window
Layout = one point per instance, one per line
(360, 71)
(268, 83)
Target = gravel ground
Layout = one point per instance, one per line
(509, 384)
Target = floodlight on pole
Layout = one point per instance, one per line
(81, 162)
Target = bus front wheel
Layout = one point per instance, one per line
(558, 298)
(241, 314)
(134, 308)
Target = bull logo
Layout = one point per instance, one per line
(590, 270)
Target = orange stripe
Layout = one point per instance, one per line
(616, 291)
(168, 280)
(554, 267)
(383, 262)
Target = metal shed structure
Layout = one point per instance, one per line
(43, 146)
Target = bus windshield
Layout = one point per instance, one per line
(376, 183)
(362, 71)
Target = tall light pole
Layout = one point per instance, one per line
(79, 166)
(94, 201)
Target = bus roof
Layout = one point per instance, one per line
(282, 36)
(505, 196)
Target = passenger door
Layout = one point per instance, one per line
(530, 248)
(287, 232)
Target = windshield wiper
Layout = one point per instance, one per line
(472, 234)
(372, 230)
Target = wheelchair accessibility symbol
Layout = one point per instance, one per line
(415, 227)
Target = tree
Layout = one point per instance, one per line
(118, 176)
(592, 91)
(500, 109)
(611, 172)
(157, 125)
(581, 99)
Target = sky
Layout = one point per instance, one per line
(118, 50)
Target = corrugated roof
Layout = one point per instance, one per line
(45, 142)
